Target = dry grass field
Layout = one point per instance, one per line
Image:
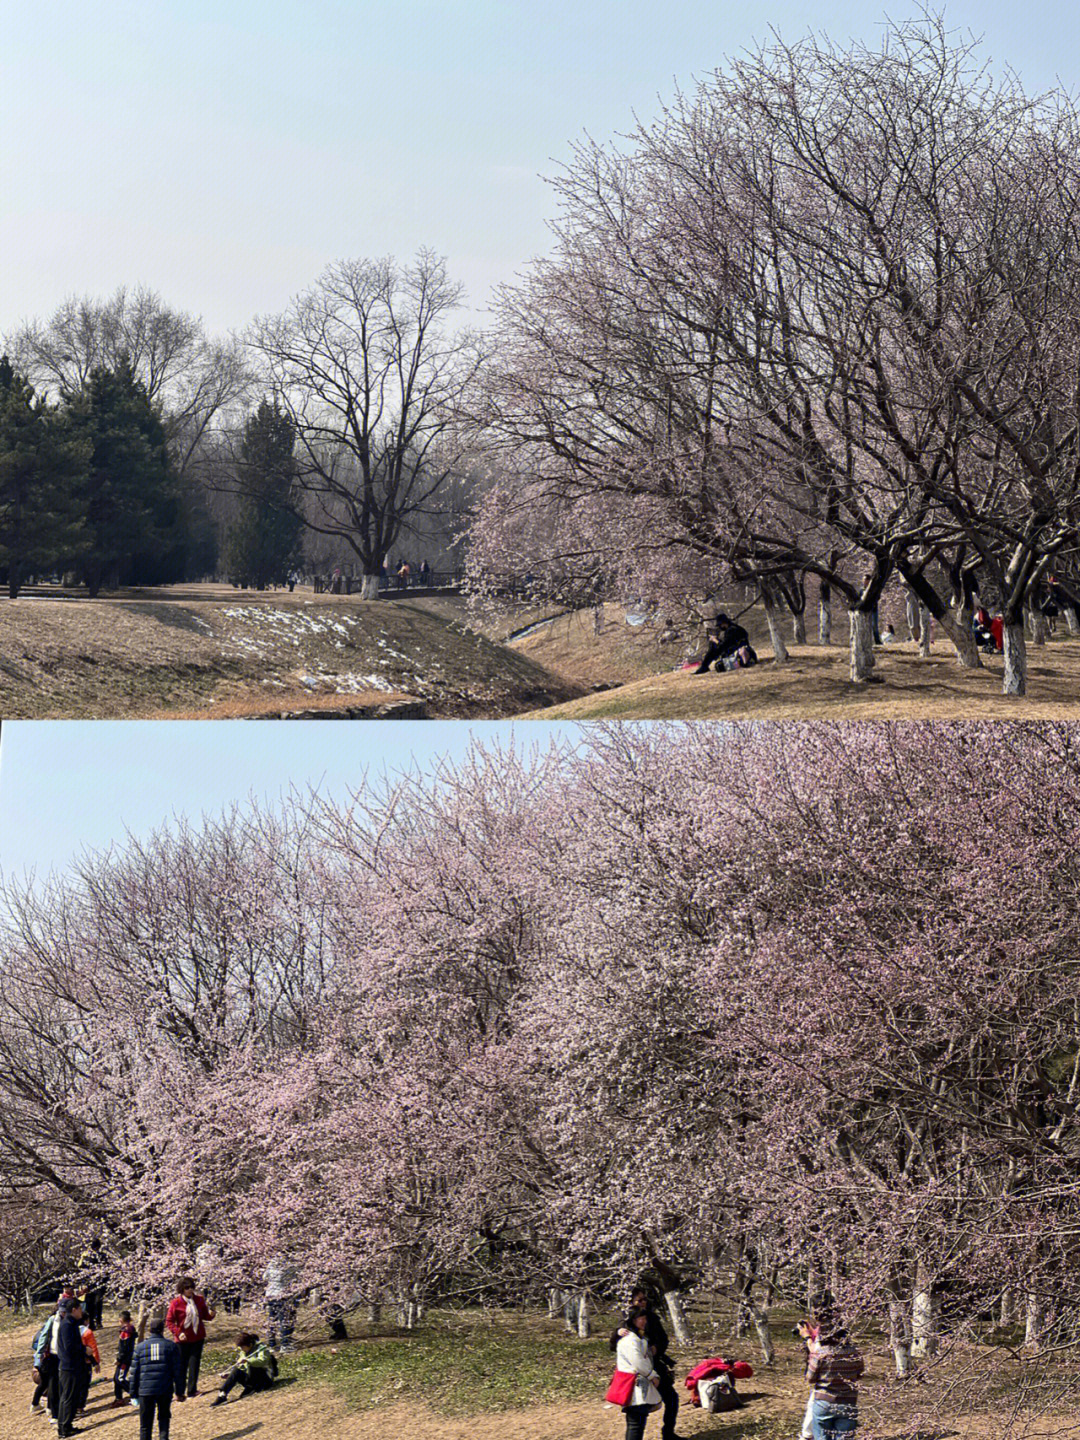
(814, 685)
(204, 652)
(208, 651)
(505, 1376)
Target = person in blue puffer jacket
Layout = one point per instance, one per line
(157, 1374)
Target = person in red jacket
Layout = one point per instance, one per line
(186, 1318)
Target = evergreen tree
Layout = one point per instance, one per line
(135, 523)
(41, 474)
(264, 543)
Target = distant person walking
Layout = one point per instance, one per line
(186, 1319)
(157, 1374)
(403, 575)
(424, 575)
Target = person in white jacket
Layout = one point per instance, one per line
(632, 1353)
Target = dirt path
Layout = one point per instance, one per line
(296, 1412)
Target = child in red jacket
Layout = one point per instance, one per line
(124, 1351)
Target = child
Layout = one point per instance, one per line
(255, 1368)
(93, 1362)
(124, 1351)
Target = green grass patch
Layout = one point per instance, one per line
(456, 1365)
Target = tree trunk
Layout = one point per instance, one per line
(776, 634)
(555, 1304)
(925, 633)
(924, 1315)
(862, 645)
(369, 587)
(677, 1312)
(899, 1339)
(374, 1313)
(1072, 621)
(911, 608)
(1015, 660)
(760, 1318)
(1006, 1312)
(570, 1314)
(798, 627)
(963, 639)
(1040, 628)
(824, 623)
(1033, 1322)
(584, 1329)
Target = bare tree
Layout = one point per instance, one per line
(362, 364)
(823, 320)
(193, 378)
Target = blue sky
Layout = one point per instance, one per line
(70, 785)
(224, 153)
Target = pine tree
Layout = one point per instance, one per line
(42, 471)
(135, 523)
(264, 543)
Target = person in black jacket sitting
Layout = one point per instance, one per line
(157, 1373)
(657, 1339)
(726, 639)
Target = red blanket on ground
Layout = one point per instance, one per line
(737, 1369)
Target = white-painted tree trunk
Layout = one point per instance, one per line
(1015, 682)
(1072, 620)
(369, 587)
(760, 1320)
(1006, 1310)
(899, 1340)
(677, 1313)
(776, 634)
(555, 1304)
(924, 1316)
(926, 630)
(862, 645)
(374, 1312)
(824, 623)
(1033, 1321)
(962, 637)
(570, 1314)
(584, 1329)
(911, 608)
(798, 628)
(1040, 628)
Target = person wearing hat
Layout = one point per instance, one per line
(70, 1364)
(726, 638)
